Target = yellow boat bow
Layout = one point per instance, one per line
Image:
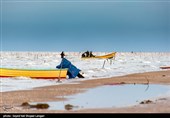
(34, 73)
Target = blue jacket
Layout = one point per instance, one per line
(72, 70)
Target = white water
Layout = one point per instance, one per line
(125, 63)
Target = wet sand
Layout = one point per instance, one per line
(11, 101)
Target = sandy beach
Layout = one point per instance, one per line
(11, 101)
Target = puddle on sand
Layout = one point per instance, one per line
(108, 96)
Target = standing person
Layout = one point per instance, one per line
(73, 71)
(87, 53)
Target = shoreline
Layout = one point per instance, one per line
(12, 100)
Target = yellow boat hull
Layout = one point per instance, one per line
(38, 74)
(108, 56)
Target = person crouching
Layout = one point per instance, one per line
(73, 71)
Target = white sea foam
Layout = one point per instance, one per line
(124, 63)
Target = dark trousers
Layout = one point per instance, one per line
(80, 76)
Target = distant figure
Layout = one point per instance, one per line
(91, 54)
(83, 55)
(73, 71)
(87, 54)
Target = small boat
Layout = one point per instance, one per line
(34, 73)
(107, 56)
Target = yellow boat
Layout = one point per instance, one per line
(107, 56)
(34, 73)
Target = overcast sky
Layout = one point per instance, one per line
(123, 26)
